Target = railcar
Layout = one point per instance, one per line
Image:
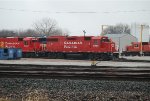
(31, 47)
(34, 47)
(11, 42)
(135, 49)
(90, 47)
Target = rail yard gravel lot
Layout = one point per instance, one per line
(38, 61)
(72, 90)
(31, 89)
(137, 57)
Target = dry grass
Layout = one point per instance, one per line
(36, 95)
(4, 99)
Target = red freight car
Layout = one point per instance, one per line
(135, 49)
(99, 47)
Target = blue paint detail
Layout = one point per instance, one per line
(10, 53)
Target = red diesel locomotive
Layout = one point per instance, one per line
(93, 47)
(135, 49)
(99, 47)
(31, 46)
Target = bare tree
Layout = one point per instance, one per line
(66, 32)
(117, 29)
(28, 33)
(45, 27)
(48, 27)
(57, 31)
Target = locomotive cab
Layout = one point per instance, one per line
(104, 41)
(28, 41)
(103, 48)
(35, 44)
(103, 44)
(34, 47)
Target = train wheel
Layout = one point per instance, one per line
(65, 56)
(60, 55)
(24, 55)
(91, 56)
(32, 55)
(104, 57)
(42, 54)
(28, 55)
(36, 55)
(52, 55)
(85, 56)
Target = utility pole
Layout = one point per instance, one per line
(103, 29)
(141, 48)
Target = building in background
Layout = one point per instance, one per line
(122, 40)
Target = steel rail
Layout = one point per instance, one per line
(85, 72)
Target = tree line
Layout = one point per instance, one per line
(117, 29)
(45, 27)
(49, 27)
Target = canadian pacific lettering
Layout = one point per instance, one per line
(73, 43)
(70, 46)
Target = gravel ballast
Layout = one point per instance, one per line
(20, 89)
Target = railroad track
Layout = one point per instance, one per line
(74, 72)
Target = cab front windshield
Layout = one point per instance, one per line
(105, 40)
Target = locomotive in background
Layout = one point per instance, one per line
(89, 47)
(137, 49)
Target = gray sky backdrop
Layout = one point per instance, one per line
(74, 15)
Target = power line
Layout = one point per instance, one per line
(74, 12)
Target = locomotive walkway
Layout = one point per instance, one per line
(74, 72)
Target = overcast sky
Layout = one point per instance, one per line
(20, 14)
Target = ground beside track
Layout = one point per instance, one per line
(137, 57)
(81, 62)
(25, 89)
(73, 90)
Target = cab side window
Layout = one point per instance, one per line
(95, 42)
(105, 40)
(136, 45)
(25, 43)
